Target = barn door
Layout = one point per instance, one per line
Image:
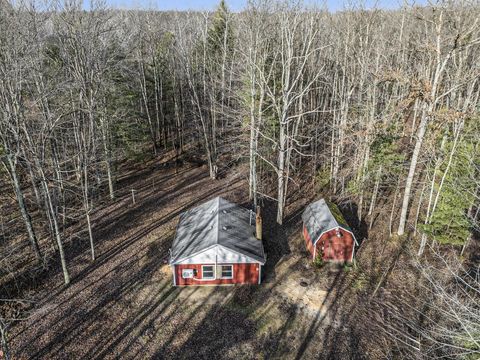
(328, 250)
(335, 249)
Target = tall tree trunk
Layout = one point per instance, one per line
(63, 261)
(281, 174)
(23, 209)
(411, 173)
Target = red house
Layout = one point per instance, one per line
(217, 243)
(326, 232)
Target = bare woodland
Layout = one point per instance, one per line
(375, 108)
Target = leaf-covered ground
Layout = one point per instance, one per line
(124, 304)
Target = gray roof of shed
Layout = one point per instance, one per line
(322, 216)
(216, 222)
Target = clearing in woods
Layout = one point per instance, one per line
(124, 304)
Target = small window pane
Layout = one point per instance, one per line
(227, 271)
(207, 272)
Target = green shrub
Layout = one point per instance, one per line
(347, 267)
(318, 261)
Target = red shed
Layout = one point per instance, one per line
(326, 232)
(216, 244)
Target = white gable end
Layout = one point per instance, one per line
(217, 254)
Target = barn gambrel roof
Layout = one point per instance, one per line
(216, 223)
(322, 216)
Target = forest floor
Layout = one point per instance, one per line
(124, 305)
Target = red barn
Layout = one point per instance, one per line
(216, 244)
(326, 232)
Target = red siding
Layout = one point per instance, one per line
(335, 248)
(242, 274)
(308, 241)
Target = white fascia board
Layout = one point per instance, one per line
(354, 238)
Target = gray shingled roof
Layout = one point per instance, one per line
(322, 216)
(216, 222)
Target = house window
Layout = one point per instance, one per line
(208, 272)
(226, 271)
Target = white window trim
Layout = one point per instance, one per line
(226, 277)
(214, 273)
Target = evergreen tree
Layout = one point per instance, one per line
(451, 222)
(220, 34)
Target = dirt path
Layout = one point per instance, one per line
(300, 287)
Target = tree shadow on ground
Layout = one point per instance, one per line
(98, 305)
(124, 306)
(228, 331)
(76, 250)
(220, 334)
(355, 312)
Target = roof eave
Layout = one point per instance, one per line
(255, 260)
(179, 260)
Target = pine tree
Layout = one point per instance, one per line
(450, 222)
(220, 32)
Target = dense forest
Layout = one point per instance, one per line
(375, 108)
